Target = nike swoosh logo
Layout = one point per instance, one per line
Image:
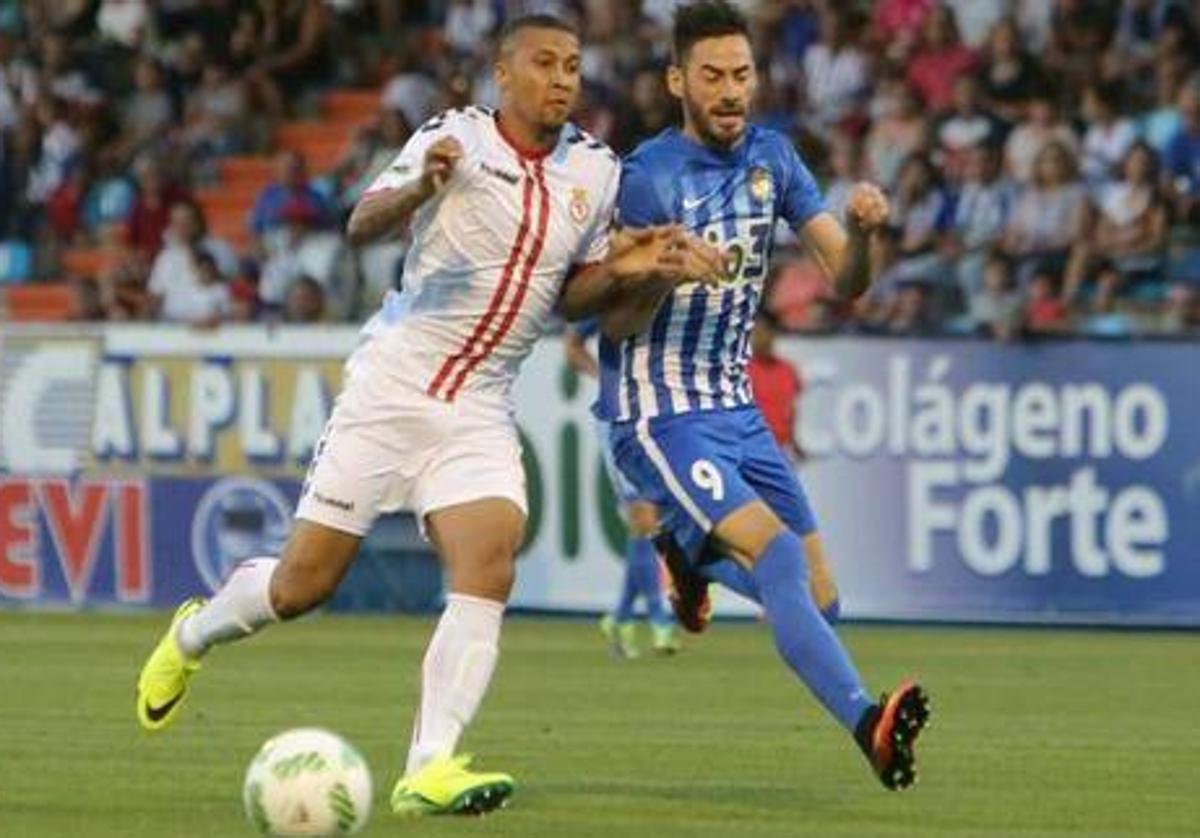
(690, 204)
(157, 714)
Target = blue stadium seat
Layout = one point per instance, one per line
(961, 325)
(1149, 291)
(16, 261)
(1183, 264)
(1115, 325)
(108, 202)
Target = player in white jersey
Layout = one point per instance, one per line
(510, 214)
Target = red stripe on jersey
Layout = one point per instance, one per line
(526, 275)
(493, 308)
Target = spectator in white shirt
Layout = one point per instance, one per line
(976, 18)
(1109, 136)
(189, 288)
(187, 282)
(980, 216)
(1051, 218)
(835, 71)
(1043, 126)
(299, 249)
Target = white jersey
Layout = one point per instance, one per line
(490, 254)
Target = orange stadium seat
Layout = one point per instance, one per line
(231, 197)
(39, 302)
(247, 171)
(297, 133)
(85, 262)
(321, 144)
(351, 106)
(231, 224)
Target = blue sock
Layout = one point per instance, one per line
(733, 576)
(643, 565)
(804, 640)
(629, 587)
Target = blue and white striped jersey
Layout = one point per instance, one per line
(693, 356)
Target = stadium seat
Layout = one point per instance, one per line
(108, 202)
(251, 172)
(225, 198)
(16, 261)
(38, 302)
(321, 144)
(1149, 292)
(85, 262)
(1184, 263)
(232, 225)
(351, 106)
(298, 133)
(961, 325)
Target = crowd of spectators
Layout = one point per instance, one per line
(1042, 156)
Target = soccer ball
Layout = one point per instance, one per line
(308, 781)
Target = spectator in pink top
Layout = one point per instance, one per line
(940, 60)
(897, 23)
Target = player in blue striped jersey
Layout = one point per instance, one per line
(673, 368)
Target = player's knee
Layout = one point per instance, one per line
(489, 571)
(643, 519)
(783, 557)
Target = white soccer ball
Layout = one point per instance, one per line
(308, 781)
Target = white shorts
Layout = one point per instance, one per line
(389, 446)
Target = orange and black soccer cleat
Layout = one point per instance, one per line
(888, 732)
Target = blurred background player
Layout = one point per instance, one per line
(776, 385)
(673, 364)
(642, 579)
(424, 421)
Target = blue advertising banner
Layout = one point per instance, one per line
(966, 481)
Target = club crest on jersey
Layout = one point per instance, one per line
(760, 184)
(579, 205)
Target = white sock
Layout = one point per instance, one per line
(458, 667)
(239, 609)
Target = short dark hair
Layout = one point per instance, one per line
(703, 19)
(533, 21)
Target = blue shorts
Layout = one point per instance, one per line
(700, 467)
(624, 488)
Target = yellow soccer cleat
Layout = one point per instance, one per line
(446, 787)
(621, 637)
(666, 639)
(164, 678)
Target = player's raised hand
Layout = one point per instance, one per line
(701, 261)
(620, 241)
(866, 209)
(644, 253)
(440, 160)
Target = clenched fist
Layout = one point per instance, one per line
(866, 208)
(440, 161)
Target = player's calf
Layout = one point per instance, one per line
(315, 560)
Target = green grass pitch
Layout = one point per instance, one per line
(1046, 733)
